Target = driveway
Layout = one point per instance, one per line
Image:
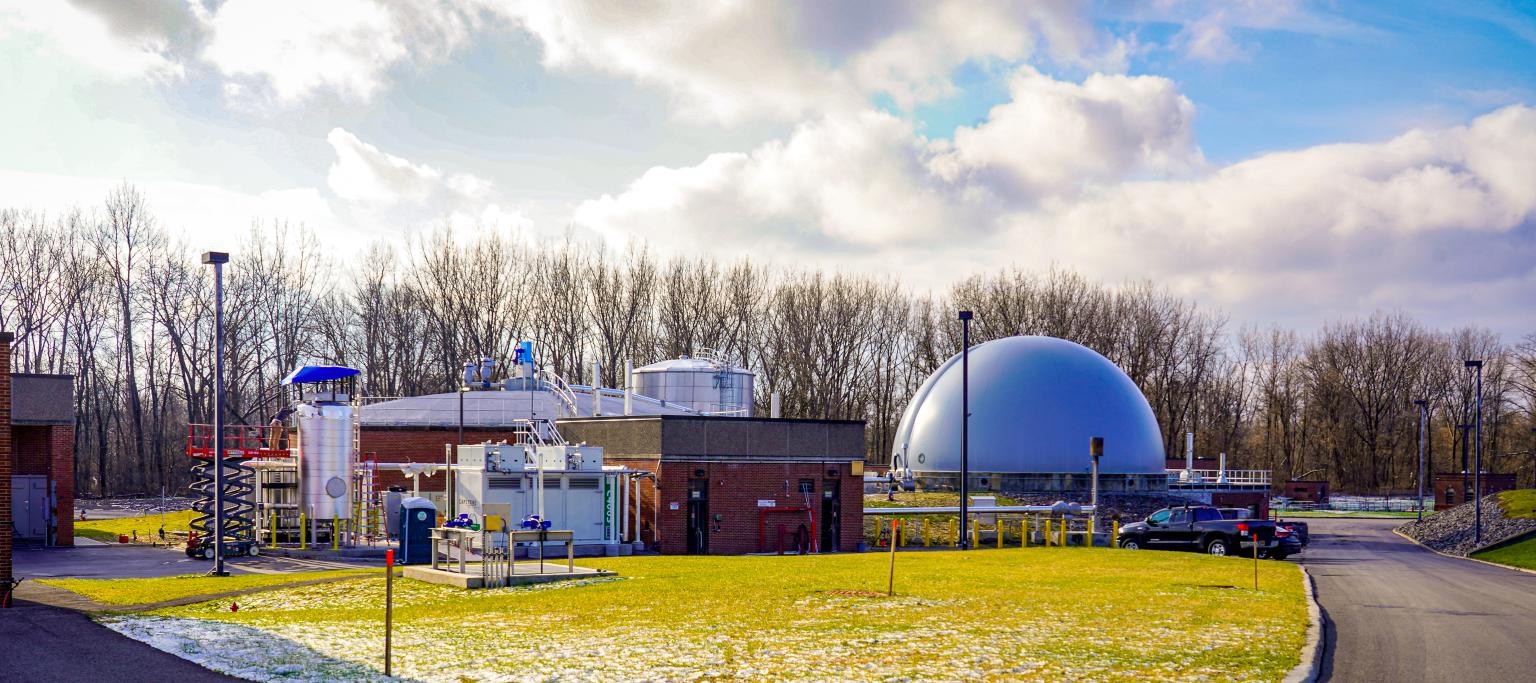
(137, 561)
(1397, 612)
(41, 643)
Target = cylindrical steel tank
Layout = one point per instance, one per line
(700, 383)
(326, 460)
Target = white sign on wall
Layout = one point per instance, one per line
(767, 504)
(673, 506)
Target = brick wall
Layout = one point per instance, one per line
(5, 456)
(734, 490)
(61, 444)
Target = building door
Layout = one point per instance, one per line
(831, 517)
(698, 516)
(29, 506)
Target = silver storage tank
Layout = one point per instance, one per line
(705, 384)
(325, 460)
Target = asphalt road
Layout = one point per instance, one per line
(1397, 612)
(131, 561)
(41, 643)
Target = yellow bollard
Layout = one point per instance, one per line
(975, 534)
(1048, 534)
(999, 532)
(954, 533)
(1114, 533)
(922, 530)
(1063, 533)
(303, 532)
(1024, 524)
(335, 535)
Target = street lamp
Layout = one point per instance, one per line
(1423, 419)
(965, 429)
(217, 259)
(1477, 457)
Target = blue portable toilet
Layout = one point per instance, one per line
(417, 517)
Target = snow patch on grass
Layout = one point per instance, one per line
(240, 651)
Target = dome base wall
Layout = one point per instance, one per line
(1044, 482)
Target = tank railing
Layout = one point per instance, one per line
(991, 527)
(558, 386)
(240, 441)
(1214, 477)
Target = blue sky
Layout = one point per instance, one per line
(1255, 156)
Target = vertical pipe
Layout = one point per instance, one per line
(1221, 472)
(218, 261)
(629, 409)
(775, 406)
(1095, 451)
(597, 388)
(965, 425)
(1189, 455)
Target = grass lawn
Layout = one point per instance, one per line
(1519, 503)
(1353, 513)
(146, 526)
(136, 591)
(1036, 614)
(1522, 554)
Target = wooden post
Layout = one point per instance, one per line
(999, 526)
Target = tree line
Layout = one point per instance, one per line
(105, 294)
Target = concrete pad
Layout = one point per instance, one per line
(523, 574)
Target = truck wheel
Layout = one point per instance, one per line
(1130, 544)
(1216, 546)
(255, 551)
(205, 553)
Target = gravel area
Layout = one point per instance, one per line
(1451, 532)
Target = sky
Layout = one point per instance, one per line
(1290, 163)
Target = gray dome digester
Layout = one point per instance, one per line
(1035, 402)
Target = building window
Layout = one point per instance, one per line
(807, 485)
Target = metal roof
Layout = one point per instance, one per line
(501, 408)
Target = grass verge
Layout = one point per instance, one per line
(1519, 503)
(1522, 554)
(147, 527)
(140, 591)
(1036, 614)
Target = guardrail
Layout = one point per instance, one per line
(1183, 477)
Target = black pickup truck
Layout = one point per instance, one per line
(1200, 528)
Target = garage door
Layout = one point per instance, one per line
(29, 506)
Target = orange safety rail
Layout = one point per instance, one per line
(240, 441)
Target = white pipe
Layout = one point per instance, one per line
(1189, 451)
(629, 402)
(774, 406)
(597, 388)
(623, 508)
(636, 483)
(1221, 474)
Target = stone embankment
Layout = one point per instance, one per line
(1452, 531)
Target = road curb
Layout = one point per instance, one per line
(1312, 651)
(1416, 542)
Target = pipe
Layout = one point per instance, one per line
(1189, 453)
(629, 405)
(954, 509)
(775, 405)
(1221, 474)
(597, 388)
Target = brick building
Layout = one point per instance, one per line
(1455, 488)
(37, 465)
(735, 485)
(5, 462)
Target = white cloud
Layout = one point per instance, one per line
(364, 174)
(731, 61)
(91, 38)
(1054, 136)
(1059, 174)
(297, 48)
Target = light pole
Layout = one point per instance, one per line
(1423, 418)
(1477, 457)
(965, 429)
(217, 259)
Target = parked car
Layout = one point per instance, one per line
(1200, 528)
(1295, 527)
